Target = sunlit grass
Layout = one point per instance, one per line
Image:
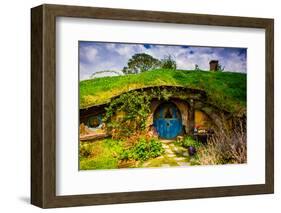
(103, 154)
(225, 90)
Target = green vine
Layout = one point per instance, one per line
(128, 113)
(134, 108)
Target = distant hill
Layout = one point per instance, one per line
(225, 90)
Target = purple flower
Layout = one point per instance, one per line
(191, 150)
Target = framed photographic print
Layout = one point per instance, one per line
(137, 106)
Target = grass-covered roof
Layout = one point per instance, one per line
(226, 90)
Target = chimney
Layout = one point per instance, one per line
(214, 65)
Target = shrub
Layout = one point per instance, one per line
(207, 155)
(143, 150)
(228, 145)
(189, 141)
(168, 63)
(197, 68)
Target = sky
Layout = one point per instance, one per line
(99, 56)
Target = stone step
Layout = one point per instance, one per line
(183, 164)
(180, 159)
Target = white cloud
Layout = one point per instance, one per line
(129, 50)
(114, 56)
(88, 53)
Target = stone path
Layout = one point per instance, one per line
(174, 156)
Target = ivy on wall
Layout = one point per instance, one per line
(128, 113)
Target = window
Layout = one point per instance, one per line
(94, 121)
(168, 113)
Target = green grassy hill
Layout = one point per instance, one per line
(225, 90)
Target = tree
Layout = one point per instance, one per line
(141, 62)
(168, 63)
(196, 68)
(220, 68)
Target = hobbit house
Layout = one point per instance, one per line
(184, 112)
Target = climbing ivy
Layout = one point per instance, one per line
(166, 93)
(128, 113)
(161, 94)
(133, 109)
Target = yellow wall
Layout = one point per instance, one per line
(201, 119)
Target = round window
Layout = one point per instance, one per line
(94, 122)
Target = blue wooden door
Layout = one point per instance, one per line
(167, 121)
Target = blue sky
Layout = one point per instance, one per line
(98, 56)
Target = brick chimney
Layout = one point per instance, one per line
(214, 65)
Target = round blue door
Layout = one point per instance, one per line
(167, 121)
